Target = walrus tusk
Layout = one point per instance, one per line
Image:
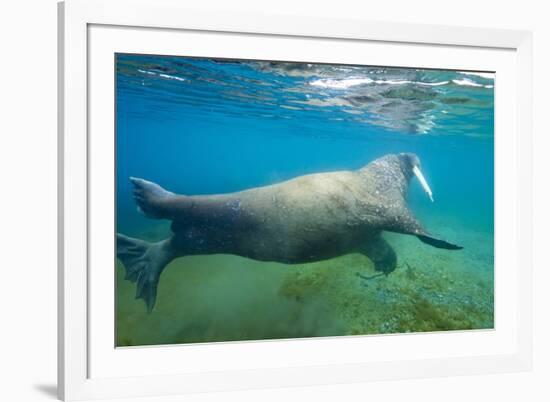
(423, 182)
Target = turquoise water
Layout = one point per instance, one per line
(203, 126)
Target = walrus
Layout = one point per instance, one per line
(309, 218)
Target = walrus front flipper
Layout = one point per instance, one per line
(381, 254)
(432, 241)
(144, 262)
(406, 223)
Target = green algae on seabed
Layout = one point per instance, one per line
(412, 299)
(227, 298)
(219, 298)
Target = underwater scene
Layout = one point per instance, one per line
(264, 200)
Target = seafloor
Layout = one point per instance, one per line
(228, 298)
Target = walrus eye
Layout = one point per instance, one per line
(423, 182)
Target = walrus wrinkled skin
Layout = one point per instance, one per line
(309, 218)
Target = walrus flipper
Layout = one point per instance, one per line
(439, 243)
(381, 254)
(147, 195)
(144, 263)
(406, 223)
(414, 228)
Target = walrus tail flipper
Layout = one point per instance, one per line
(147, 196)
(439, 243)
(144, 262)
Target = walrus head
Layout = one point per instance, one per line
(410, 165)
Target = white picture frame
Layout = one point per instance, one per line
(89, 367)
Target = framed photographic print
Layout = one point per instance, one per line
(263, 201)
